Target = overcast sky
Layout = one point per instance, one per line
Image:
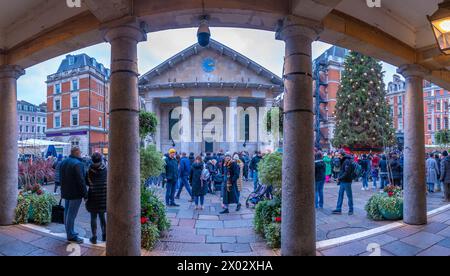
(259, 46)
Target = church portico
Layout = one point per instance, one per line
(223, 95)
(212, 124)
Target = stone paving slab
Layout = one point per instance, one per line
(423, 240)
(428, 240)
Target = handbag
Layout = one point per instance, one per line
(58, 213)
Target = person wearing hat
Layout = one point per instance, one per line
(231, 194)
(445, 175)
(171, 178)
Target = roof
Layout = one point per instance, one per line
(334, 53)
(220, 48)
(78, 61)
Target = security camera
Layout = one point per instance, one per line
(203, 34)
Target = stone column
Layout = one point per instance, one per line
(298, 229)
(414, 183)
(232, 122)
(8, 141)
(186, 125)
(272, 137)
(149, 105)
(124, 227)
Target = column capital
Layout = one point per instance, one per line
(412, 70)
(292, 26)
(11, 71)
(129, 27)
(185, 99)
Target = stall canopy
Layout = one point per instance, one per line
(43, 147)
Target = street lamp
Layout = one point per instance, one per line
(440, 23)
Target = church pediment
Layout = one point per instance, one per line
(216, 65)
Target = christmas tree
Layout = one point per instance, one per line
(363, 119)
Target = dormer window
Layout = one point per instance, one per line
(71, 60)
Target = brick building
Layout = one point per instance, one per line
(77, 101)
(327, 69)
(436, 107)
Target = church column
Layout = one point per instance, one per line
(272, 137)
(232, 131)
(186, 125)
(298, 228)
(149, 105)
(158, 127)
(124, 227)
(414, 195)
(8, 141)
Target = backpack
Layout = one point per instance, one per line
(357, 170)
(205, 174)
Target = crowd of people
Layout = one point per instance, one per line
(344, 168)
(210, 173)
(224, 173)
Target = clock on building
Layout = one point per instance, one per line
(208, 65)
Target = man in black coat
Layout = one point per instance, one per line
(172, 174)
(73, 190)
(345, 183)
(254, 167)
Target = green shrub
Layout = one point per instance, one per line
(152, 162)
(34, 207)
(387, 205)
(269, 171)
(272, 234)
(373, 212)
(267, 221)
(154, 220)
(265, 212)
(149, 235)
(153, 209)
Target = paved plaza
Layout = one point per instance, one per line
(208, 233)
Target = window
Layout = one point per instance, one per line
(20, 129)
(438, 123)
(400, 111)
(57, 105)
(445, 106)
(100, 122)
(172, 123)
(438, 106)
(32, 129)
(71, 60)
(429, 124)
(58, 88)
(27, 118)
(75, 119)
(27, 129)
(57, 121)
(247, 127)
(43, 120)
(43, 129)
(400, 123)
(399, 99)
(75, 101)
(446, 122)
(39, 119)
(21, 117)
(38, 129)
(32, 119)
(74, 85)
(75, 144)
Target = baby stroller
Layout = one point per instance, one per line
(262, 192)
(218, 180)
